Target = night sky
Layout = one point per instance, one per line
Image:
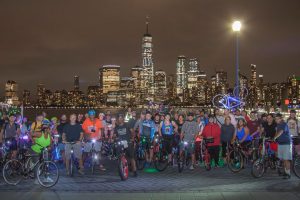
(51, 41)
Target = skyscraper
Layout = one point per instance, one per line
(11, 90)
(76, 83)
(148, 66)
(221, 82)
(109, 78)
(26, 98)
(202, 89)
(253, 74)
(160, 85)
(41, 95)
(181, 77)
(253, 90)
(136, 74)
(192, 76)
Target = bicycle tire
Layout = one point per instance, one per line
(44, 167)
(238, 161)
(261, 164)
(5, 175)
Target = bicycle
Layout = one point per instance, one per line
(56, 154)
(94, 155)
(15, 170)
(123, 167)
(239, 156)
(73, 160)
(143, 147)
(160, 155)
(5, 153)
(204, 156)
(266, 160)
(296, 156)
(184, 158)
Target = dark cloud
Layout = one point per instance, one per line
(51, 41)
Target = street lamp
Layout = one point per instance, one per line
(236, 27)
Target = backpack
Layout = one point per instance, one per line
(5, 126)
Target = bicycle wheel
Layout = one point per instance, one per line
(181, 162)
(161, 161)
(71, 166)
(123, 168)
(235, 161)
(207, 162)
(93, 163)
(258, 168)
(13, 172)
(141, 160)
(296, 166)
(47, 174)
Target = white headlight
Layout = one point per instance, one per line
(93, 141)
(185, 143)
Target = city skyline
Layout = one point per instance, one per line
(41, 53)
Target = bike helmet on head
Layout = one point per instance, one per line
(92, 113)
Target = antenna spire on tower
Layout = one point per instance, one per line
(147, 24)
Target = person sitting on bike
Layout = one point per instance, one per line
(42, 139)
(122, 132)
(167, 129)
(92, 131)
(189, 132)
(283, 137)
(198, 140)
(146, 131)
(10, 132)
(73, 133)
(243, 133)
(212, 131)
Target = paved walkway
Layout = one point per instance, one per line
(198, 184)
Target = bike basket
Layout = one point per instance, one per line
(274, 146)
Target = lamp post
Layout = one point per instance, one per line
(236, 27)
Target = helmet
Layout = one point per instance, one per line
(92, 113)
(54, 119)
(46, 122)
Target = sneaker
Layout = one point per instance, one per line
(81, 172)
(48, 180)
(286, 176)
(135, 174)
(192, 167)
(102, 168)
(147, 165)
(36, 182)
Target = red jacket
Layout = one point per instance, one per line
(212, 130)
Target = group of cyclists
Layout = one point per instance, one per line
(79, 134)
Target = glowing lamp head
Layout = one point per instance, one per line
(236, 26)
(93, 141)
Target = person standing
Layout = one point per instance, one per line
(189, 132)
(9, 133)
(227, 135)
(123, 132)
(167, 131)
(92, 131)
(283, 138)
(73, 133)
(213, 131)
